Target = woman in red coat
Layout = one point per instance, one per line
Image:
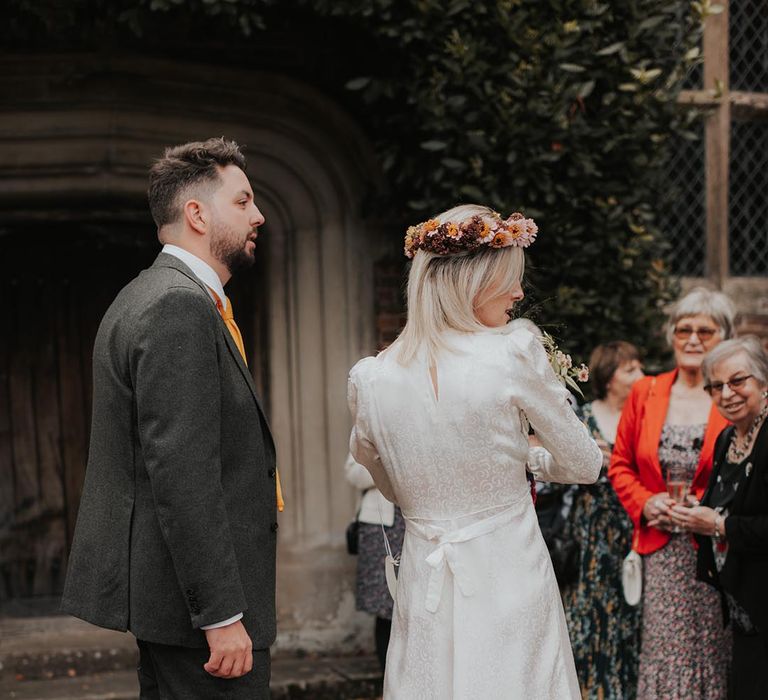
(669, 425)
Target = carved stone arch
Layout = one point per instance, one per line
(85, 128)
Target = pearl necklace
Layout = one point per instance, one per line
(736, 451)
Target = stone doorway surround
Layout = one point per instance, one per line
(77, 133)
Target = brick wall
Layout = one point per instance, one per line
(757, 324)
(389, 275)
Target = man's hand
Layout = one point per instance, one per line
(231, 651)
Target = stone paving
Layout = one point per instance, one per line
(60, 658)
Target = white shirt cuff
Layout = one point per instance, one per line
(223, 623)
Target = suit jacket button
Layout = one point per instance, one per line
(273, 527)
(272, 473)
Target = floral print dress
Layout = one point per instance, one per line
(685, 651)
(604, 630)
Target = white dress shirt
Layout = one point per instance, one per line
(207, 275)
(203, 271)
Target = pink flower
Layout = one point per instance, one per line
(583, 374)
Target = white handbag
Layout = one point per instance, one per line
(632, 576)
(390, 562)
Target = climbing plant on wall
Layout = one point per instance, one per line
(562, 109)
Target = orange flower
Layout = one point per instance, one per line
(453, 230)
(430, 225)
(499, 240)
(485, 231)
(516, 228)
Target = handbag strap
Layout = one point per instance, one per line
(387, 548)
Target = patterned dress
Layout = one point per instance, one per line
(685, 651)
(604, 630)
(372, 595)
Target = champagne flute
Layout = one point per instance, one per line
(678, 487)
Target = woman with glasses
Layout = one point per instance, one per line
(731, 524)
(668, 428)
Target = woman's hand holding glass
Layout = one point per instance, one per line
(658, 512)
(694, 518)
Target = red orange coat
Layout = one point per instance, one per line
(635, 471)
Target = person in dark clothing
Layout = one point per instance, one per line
(731, 523)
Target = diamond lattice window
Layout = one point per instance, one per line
(694, 78)
(747, 200)
(749, 45)
(683, 218)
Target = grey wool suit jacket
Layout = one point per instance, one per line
(177, 522)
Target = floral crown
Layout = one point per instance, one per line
(449, 238)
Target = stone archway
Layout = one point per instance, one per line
(75, 143)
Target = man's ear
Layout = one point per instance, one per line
(196, 216)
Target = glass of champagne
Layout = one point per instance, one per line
(678, 487)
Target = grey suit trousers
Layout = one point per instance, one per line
(177, 673)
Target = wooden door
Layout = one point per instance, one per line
(54, 289)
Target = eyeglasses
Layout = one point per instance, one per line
(685, 332)
(733, 384)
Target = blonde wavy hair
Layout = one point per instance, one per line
(444, 290)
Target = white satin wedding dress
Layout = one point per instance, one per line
(477, 612)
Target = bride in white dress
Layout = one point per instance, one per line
(441, 422)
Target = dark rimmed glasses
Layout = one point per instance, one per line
(702, 333)
(716, 388)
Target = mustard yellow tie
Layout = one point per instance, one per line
(228, 316)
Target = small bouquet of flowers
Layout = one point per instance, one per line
(562, 365)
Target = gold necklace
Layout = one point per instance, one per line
(737, 452)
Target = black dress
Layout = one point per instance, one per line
(738, 567)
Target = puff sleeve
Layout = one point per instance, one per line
(361, 445)
(570, 455)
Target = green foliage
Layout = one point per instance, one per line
(562, 109)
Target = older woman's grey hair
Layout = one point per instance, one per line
(701, 301)
(754, 352)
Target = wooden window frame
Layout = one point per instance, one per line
(721, 104)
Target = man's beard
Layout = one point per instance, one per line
(228, 249)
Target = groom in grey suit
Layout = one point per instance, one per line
(176, 533)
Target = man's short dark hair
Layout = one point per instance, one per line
(184, 166)
(605, 360)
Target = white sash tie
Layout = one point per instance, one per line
(446, 555)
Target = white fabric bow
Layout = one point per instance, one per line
(447, 554)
